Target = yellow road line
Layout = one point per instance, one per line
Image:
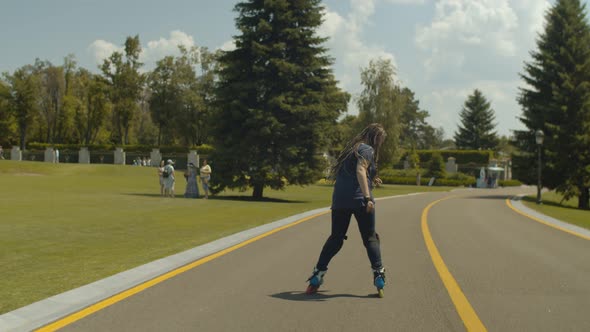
(464, 308)
(544, 222)
(132, 291)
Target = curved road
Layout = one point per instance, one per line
(510, 274)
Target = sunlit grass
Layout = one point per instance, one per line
(566, 211)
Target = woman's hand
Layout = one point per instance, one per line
(377, 182)
(370, 207)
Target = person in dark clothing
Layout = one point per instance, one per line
(355, 172)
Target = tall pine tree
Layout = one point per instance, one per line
(477, 124)
(277, 98)
(557, 101)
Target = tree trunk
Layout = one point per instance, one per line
(126, 141)
(257, 193)
(160, 134)
(584, 199)
(23, 134)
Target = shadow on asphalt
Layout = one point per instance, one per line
(319, 296)
(226, 198)
(500, 197)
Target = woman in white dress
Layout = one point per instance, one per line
(160, 172)
(168, 175)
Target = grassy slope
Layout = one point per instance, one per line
(566, 211)
(63, 226)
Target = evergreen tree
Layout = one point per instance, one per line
(477, 124)
(557, 101)
(277, 99)
(436, 167)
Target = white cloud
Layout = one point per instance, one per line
(153, 51)
(532, 14)
(505, 28)
(487, 23)
(101, 49)
(345, 40)
(157, 49)
(229, 45)
(406, 2)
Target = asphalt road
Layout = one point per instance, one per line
(514, 273)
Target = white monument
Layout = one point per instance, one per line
(193, 157)
(119, 156)
(84, 156)
(451, 167)
(49, 155)
(156, 157)
(16, 154)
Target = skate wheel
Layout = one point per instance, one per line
(381, 293)
(311, 289)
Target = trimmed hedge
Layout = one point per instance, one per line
(203, 149)
(462, 157)
(424, 181)
(408, 177)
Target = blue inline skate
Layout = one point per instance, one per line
(379, 280)
(315, 281)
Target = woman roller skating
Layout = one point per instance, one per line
(355, 172)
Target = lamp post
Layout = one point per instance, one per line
(539, 135)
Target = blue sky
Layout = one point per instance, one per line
(443, 49)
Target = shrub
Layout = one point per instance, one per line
(509, 183)
(407, 173)
(436, 167)
(403, 180)
(462, 157)
(455, 182)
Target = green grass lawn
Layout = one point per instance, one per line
(566, 211)
(63, 226)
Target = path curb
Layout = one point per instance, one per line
(517, 203)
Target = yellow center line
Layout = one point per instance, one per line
(132, 291)
(464, 308)
(545, 222)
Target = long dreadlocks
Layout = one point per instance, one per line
(373, 135)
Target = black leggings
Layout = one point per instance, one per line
(340, 223)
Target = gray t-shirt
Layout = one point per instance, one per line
(347, 191)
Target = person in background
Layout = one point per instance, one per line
(1, 153)
(160, 175)
(192, 190)
(168, 175)
(205, 177)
